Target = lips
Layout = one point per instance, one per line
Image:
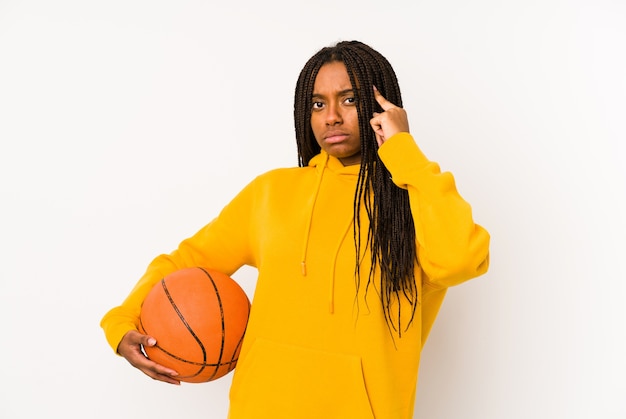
(334, 137)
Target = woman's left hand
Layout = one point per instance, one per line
(391, 121)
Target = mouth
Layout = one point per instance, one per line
(335, 137)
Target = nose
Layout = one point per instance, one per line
(333, 115)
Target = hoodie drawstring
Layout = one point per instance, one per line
(307, 231)
(322, 165)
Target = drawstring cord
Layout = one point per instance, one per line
(308, 226)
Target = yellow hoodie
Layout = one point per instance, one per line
(315, 348)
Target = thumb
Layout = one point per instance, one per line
(139, 338)
(148, 341)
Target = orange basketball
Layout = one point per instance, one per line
(198, 317)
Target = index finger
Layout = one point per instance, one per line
(384, 103)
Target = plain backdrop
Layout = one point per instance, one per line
(125, 126)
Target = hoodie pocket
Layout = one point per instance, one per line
(277, 381)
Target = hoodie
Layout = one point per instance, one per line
(317, 344)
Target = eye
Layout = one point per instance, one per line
(351, 100)
(317, 105)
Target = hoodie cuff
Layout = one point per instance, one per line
(402, 157)
(115, 325)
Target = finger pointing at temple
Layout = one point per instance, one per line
(392, 120)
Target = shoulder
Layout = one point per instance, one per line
(284, 174)
(282, 180)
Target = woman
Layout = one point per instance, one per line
(355, 249)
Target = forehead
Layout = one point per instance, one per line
(332, 77)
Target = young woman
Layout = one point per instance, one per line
(355, 249)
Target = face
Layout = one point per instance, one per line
(334, 118)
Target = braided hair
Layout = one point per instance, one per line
(391, 234)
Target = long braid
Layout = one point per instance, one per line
(391, 233)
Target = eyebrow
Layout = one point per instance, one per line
(342, 92)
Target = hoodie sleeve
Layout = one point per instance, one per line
(224, 244)
(451, 247)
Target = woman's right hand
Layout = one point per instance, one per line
(130, 348)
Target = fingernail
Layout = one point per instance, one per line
(151, 342)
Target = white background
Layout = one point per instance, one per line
(126, 125)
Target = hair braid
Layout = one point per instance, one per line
(391, 232)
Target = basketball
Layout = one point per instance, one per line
(198, 317)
